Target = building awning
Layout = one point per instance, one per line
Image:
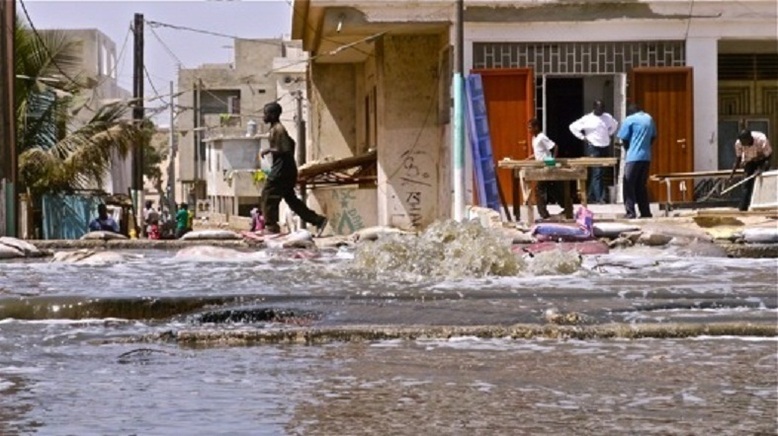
(351, 170)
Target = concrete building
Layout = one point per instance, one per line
(223, 99)
(98, 67)
(232, 185)
(381, 78)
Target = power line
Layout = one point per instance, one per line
(45, 48)
(165, 46)
(153, 24)
(153, 88)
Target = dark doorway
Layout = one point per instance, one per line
(564, 103)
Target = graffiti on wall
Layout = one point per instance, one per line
(415, 185)
(346, 219)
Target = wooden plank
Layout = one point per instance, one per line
(306, 172)
(773, 213)
(564, 162)
(554, 174)
(694, 174)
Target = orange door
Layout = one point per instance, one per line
(666, 95)
(510, 103)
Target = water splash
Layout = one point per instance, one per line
(554, 262)
(445, 250)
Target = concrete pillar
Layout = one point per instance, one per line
(409, 173)
(702, 55)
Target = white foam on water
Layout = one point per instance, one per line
(475, 343)
(56, 321)
(20, 370)
(739, 338)
(6, 384)
(648, 400)
(389, 343)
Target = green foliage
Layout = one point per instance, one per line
(57, 153)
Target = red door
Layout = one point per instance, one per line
(510, 103)
(666, 95)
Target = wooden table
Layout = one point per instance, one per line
(524, 172)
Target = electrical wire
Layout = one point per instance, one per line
(165, 46)
(153, 24)
(46, 49)
(153, 88)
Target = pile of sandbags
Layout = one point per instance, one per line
(12, 248)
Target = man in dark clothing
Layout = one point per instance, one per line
(103, 222)
(282, 179)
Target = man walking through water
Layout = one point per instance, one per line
(596, 128)
(637, 133)
(282, 179)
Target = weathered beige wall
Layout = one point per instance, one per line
(347, 207)
(409, 137)
(333, 112)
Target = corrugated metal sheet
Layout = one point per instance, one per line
(67, 216)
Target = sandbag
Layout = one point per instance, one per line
(373, 233)
(9, 252)
(102, 235)
(27, 249)
(334, 242)
(612, 230)
(676, 231)
(559, 233)
(760, 235)
(211, 234)
(586, 247)
(652, 239)
(297, 239)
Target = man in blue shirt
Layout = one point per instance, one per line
(103, 222)
(637, 133)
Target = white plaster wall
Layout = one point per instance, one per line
(702, 55)
(409, 173)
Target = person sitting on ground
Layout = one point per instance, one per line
(752, 149)
(103, 222)
(182, 220)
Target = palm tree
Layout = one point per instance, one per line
(55, 153)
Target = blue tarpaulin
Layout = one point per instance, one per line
(68, 216)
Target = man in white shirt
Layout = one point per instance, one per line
(596, 128)
(544, 148)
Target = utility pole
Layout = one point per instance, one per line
(459, 115)
(8, 168)
(301, 148)
(171, 168)
(137, 116)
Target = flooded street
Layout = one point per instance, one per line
(78, 354)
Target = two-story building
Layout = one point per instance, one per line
(219, 102)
